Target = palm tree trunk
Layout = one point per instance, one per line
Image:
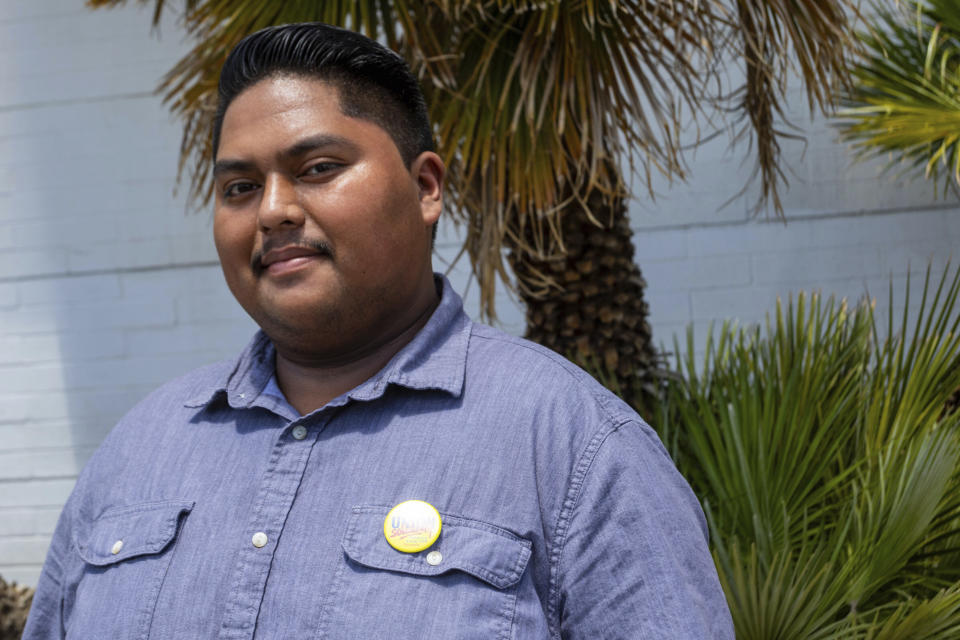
(595, 313)
(14, 606)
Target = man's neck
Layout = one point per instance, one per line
(309, 382)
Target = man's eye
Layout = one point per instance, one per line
(320, 168)
(238, 189)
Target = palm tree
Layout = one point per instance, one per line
(537, 105)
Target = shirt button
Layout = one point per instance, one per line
(259, 539)
(434, 558)
(299, 432)
(116, 547)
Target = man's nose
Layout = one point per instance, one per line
(279, 206)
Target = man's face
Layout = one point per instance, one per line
(323, 232)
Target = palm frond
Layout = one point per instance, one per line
(773, 39)
(788, 594)
(905, 102)
(830, 473)
(936, 618)
(803, 381)
(535, 103)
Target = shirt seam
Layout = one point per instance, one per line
(62, 587)
(569, 505)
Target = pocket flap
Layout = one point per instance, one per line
(483, 550)
(127, 532)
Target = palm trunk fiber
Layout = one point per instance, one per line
(595, 313)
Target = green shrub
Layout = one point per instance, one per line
(828, 468)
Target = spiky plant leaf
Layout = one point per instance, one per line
(827, 466)
(803, 379)
(936, 618)
(905, 102)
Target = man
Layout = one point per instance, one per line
(373, 465)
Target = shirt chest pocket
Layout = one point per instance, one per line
(463, 587)
(126, 551)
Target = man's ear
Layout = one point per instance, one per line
(428, 171)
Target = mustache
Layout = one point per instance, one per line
(256, 262)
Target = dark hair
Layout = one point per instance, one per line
(373, 83)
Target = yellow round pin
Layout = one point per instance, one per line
(412, 526)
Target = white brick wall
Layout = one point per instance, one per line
(108, 286)
(737, 270)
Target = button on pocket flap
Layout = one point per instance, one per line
(127, 532)
(483, 550)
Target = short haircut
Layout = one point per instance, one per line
(373, 83)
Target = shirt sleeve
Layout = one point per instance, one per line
(46, 618)
(45, 621)
(634, 560)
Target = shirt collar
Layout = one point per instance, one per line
(434, 360)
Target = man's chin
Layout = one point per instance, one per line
(297, 317)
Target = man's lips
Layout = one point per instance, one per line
(288, 258)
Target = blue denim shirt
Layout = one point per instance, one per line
(214, 510)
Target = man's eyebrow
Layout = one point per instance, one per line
(295, 150)
(313, 143)
(227, 166)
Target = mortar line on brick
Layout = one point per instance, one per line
(66, 102)
(30, 480)
(857, 213)
(49, 449)
(34, 17)
(106, 272)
